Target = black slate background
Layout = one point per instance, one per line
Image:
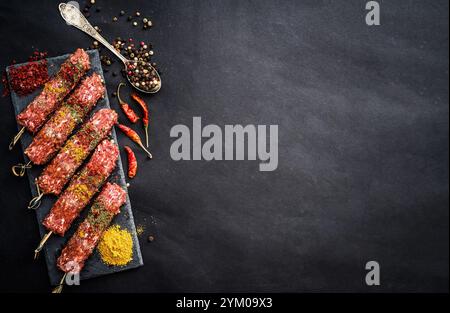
(363, 146)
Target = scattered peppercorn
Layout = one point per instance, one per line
(122, 13)
(138, 13)
(114, 19)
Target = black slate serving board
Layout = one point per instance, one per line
(94, 266)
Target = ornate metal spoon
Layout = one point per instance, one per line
(74, 17)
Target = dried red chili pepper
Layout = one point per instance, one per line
(131, 115)
(132, 162)
(144, 108)
(135, 137)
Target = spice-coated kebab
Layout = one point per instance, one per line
(55, 132)
(58, 172)
(85, 239)
(83, 186)
(37, 112)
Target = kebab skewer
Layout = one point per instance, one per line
(37, 112)
(87, 236)
(59, 171)
(58, 128)
(80, 191)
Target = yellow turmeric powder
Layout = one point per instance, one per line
(116, 246)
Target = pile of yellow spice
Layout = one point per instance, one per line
(116, 246)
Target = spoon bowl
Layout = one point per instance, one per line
(155, 84)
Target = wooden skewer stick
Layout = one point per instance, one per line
(16, 138)
(41, 244)
(36, 201)
(20, 169)
(59, 288)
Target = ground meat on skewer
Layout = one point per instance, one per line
(75, 151)
(70, 73)
(56, 131)
(82, 187)
(88, 234)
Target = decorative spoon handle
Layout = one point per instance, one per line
(74, 17)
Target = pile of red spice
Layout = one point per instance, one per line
(26, 78)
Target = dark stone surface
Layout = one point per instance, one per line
(94, 266)
(363, 146)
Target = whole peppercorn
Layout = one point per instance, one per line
(145, 20)
(92, 1)
(114, 19)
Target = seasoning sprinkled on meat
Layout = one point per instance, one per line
(55, 132)
(70, 73)
(83, 186)
(75, 151)
(88, 234)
